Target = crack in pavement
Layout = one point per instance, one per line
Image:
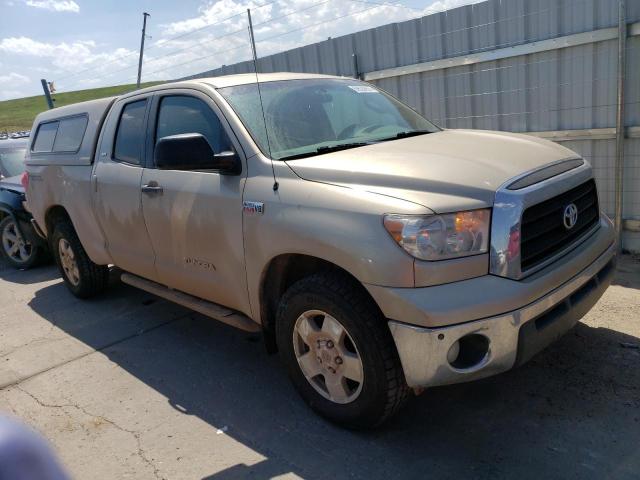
(125, 310)
(141, 453)
(97, 350)
(41, 339)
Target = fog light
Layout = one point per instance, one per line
(453, 352)
(470, 351)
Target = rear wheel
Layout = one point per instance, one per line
(339, 352)
(16, 249)
(83, 277)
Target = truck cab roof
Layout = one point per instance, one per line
(233, 80)
(95, 112)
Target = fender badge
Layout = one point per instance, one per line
(194, 262)
(253, 208)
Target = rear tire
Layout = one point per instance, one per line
(83, 277)
(16, 250)
(367, 394)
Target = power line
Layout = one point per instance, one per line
(386, 4)
(189, 47)
(155, 59)
(175, 52)
(160, 43)
(272, 19)
(274, 36)
(319, 23)
(198, 59)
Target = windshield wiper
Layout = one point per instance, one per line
(341, 146)
(325, 149)
(407, 134)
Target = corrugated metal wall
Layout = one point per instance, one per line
(572, 88)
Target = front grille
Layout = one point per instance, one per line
(543, 233)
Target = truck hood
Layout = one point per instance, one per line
(444, 171)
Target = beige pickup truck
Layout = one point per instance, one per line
(376, 252)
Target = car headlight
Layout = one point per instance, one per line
(439, 237)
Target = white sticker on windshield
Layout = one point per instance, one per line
(363, 89)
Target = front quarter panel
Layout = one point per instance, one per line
(340, 225)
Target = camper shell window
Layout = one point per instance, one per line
(64, 135)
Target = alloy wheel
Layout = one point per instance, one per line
(14, 244)
(328, 357)
(68, 262)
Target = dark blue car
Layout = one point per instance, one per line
(20, 245)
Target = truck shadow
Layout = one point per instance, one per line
(41, 273)
(628, 271)
(573, 411)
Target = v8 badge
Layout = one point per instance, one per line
(253, 208)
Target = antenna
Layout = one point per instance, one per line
(264, 117)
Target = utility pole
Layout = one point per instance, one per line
(144, 33)
(47, 92)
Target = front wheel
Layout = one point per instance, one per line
(339, 352)
(83, 277)
(17, 250)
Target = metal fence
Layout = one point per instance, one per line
(545, 67)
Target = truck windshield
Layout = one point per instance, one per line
(312, 117)
(12, 162)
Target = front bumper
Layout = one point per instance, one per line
(513, 337)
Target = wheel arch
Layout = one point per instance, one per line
(283, 271)
(54, 214)
(87, 229)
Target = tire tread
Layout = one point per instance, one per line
(397, 391)
(94, 277)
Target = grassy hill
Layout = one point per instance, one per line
(18, 114)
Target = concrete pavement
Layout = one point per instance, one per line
(130, 386)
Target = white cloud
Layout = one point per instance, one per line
(65, 59)
(9, 94)
(28, 46)
(441, 5)
(12, 85)
(210, 39)
(12, 79)
(54, 5)
(212, 12)
(278, 26)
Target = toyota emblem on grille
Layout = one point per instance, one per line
(570, 216)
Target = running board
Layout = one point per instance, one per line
(199, 305)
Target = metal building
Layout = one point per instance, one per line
(545, 67)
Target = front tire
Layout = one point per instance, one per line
(83, 277)
(14, 248)
(339, 352)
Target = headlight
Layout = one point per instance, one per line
(438, 237)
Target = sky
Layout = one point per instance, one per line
(82, 44)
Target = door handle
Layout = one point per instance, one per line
(152, 188)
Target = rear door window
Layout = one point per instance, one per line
(70, 134)
(130, 133)
(45, 137)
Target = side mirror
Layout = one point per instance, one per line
(191, 151)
